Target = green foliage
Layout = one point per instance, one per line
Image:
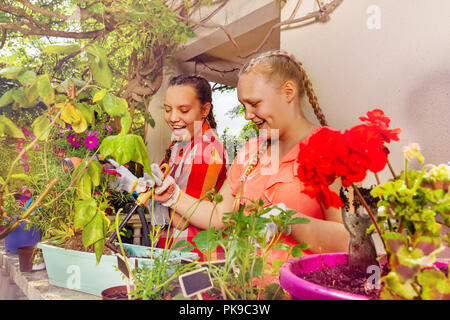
(412, 234)
(246, 246)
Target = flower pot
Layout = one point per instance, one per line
(26, 255)
(79, 271)
(300, 289)
(22, 238)
(115, 293)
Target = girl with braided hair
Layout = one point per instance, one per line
(271, 87)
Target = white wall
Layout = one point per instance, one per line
(402, 68)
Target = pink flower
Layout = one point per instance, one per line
(74, 140)
(91, 142)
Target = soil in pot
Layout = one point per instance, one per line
(344, 278)
(26, 255)
(76, 243)
(115, 293)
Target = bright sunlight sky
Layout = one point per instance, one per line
(222, 103)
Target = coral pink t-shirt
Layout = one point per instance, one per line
(274, 181)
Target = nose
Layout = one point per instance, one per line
(174, 116)
(249, 115)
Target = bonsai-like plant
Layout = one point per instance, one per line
(412, 238)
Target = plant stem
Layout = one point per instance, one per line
(73, 180)
(377, 178)
(28, 147)
(30, 209)
(366, 206)
(391, 169)
(406, 173)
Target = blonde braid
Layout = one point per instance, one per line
(306, 82)
(251, 165)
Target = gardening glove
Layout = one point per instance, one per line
(169, 191)
(159, 214)
(147, 182)
(125, 179)
(271, 227)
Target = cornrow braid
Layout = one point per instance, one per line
(306, 85)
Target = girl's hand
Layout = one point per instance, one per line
(167, 193)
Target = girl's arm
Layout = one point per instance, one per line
(202, 214)
(327, 235)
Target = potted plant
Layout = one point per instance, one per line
(406, 221)
(244, 274)
(75, 213)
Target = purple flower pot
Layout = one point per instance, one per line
(20, 237)
(300, 289)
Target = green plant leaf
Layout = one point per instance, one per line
(84, 212)
(26, 77)
(99, 65)
(125, 148)
(297, 250)
(273, 291)
(6, 98)
(8, 127)
(98, 249)
(45, 90)
(94, 230)
(84, 186)
(86, 111)
(125, 122)
(62, 49)
(99, 95)
(95, 172)
(11, 72)
(74, 117)
(20, 97)
(115, 106)
(435, 286)
(41, 126)
(184, 244)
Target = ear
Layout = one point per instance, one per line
(289, 90)
(206, 109)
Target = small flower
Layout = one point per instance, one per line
(91, 142)
(73, 140)
(105, 127)
(25, 131)
(20, 144)
(412, 151)
(113, 172)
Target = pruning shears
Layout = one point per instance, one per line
(141, 200)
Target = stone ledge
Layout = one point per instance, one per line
(35, 285)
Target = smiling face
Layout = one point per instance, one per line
(263, 102)
(182, 109)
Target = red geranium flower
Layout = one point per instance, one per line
(378, 119)
(329, 154)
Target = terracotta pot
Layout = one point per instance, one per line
(26, 255)
(115, 293)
